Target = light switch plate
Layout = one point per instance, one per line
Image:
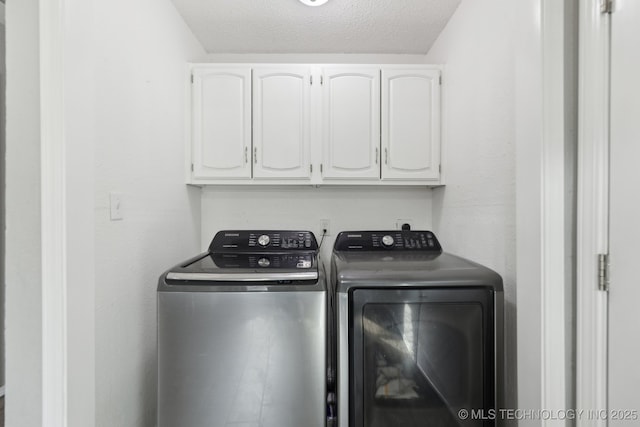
(115, 205)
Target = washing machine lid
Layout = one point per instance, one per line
(249, 267)
(254, 256)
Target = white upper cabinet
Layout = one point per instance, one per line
(281, 122)
(221, 123)
(326, 124)
(410, 123)
(351, 122)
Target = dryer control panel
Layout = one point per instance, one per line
(394, 240)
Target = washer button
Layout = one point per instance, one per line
(263, 240)
(387, 240)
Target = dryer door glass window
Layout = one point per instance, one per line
(420, 357)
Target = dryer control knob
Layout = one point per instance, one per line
(263, 240)
(387, 240)
(264, 262)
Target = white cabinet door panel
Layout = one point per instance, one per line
(351, 122)
(411, 124)
(221, 123)
(281, 128)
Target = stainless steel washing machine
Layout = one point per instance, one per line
(419, 333)
(242, 334)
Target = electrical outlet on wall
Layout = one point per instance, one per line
(325, 224)
(401, 222)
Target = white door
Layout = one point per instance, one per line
(221, 127)
(411, 124)
(624, 238)
(281, 122)
(351, 122)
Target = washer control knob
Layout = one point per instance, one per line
(263, 240)
(264, 262)
(387, 241)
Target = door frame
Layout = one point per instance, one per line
(541, 228)
(67, 214)
(592, 210)
(53, 214)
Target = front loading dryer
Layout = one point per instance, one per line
(419, 333)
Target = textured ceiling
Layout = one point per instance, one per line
(340, 26)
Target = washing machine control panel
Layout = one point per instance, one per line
(261, 261)
(267, 240)
(393, 240)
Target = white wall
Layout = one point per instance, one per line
(23, 290)
(474, 214)
(124, 99)
(137, 69)
(348, 208)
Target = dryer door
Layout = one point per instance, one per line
(422, 357)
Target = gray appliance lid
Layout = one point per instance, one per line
(246, 257)
(248, 267)
(409, 269)
(396, 258)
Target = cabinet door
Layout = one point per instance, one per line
(411, 124)
(281, 126)
(351, 122)
(221, 122)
